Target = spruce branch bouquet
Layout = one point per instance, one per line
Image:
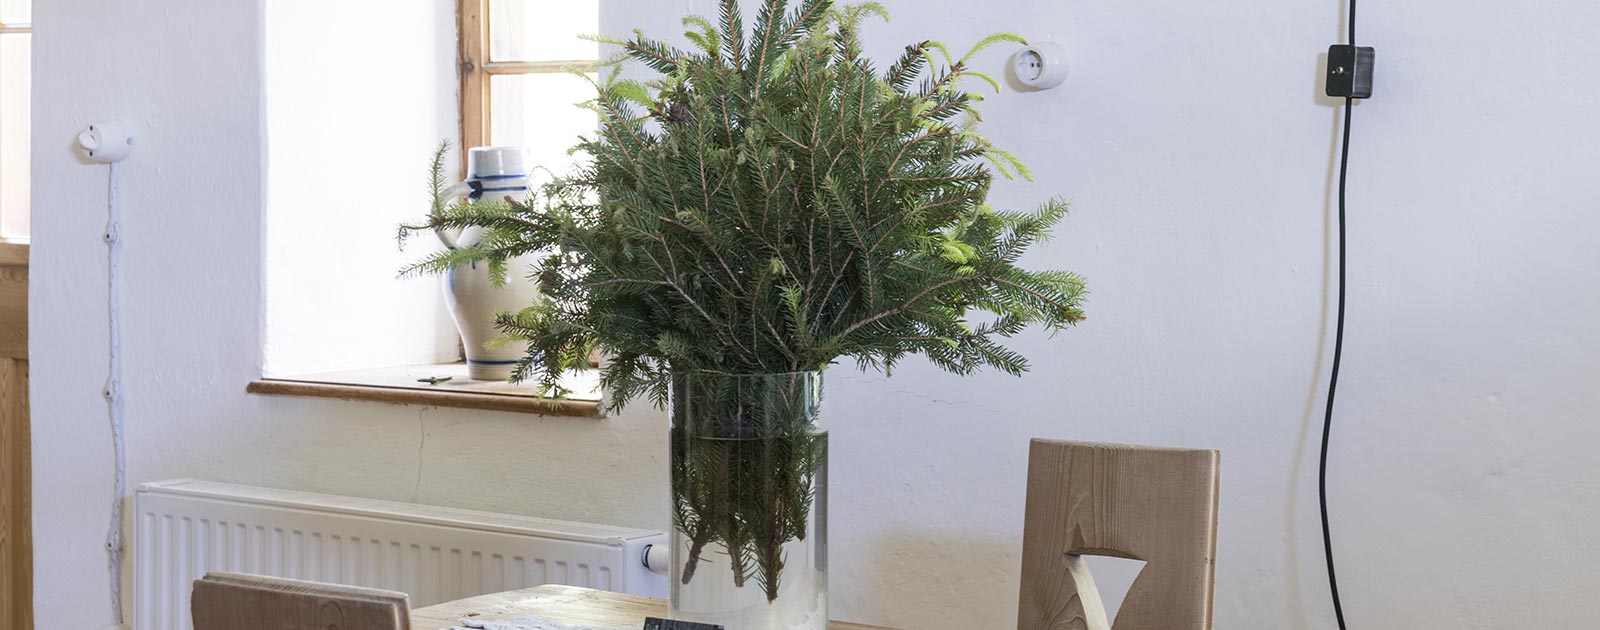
(773, 203)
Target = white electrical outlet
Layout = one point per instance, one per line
(106, 142)
(1040, 66)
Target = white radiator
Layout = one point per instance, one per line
(187, 528)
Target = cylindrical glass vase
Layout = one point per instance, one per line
(749, 501)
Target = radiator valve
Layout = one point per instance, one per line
(657, 558)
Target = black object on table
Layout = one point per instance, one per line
(651, 623)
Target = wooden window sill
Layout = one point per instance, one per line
(400, 385)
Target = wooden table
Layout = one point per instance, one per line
(567, 604)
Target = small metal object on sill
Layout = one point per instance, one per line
(435, 380)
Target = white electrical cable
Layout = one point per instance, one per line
(113, 390)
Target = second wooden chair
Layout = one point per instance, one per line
(1158, 505)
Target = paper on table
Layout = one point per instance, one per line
(526, 623)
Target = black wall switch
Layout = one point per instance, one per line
(651, 623)
(1350, 71)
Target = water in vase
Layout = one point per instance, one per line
(732, 591)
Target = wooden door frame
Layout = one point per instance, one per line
(16, 483)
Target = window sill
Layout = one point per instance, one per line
(400, 385)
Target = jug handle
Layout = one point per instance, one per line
(450, 194)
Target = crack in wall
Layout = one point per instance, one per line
(422, 443)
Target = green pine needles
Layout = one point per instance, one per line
(771, 204)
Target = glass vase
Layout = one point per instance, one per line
(749, 501)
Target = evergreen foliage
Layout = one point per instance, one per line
(771, 204)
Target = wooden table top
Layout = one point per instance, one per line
(567, 604)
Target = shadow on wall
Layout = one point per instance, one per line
(937, 580)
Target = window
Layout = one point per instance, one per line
(515, 88)
(338, 322)
(15, 62)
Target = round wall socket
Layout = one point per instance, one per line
(1040, 66)
(106, 142)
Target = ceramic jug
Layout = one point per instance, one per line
(493, 173)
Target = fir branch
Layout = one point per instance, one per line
(772, 204)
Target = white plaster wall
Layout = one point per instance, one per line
(189, 76)
(1196, 150)
(359, 94)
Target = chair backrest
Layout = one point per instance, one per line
(1158, 505)
(235, 601)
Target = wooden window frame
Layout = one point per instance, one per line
(18, 28)
(476, 66)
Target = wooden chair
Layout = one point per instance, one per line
(1158, 505)
(235, 601)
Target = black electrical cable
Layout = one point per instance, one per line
(1338, 352)
(1333, 383)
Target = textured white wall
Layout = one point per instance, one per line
(1196, 149)
(189, 76)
